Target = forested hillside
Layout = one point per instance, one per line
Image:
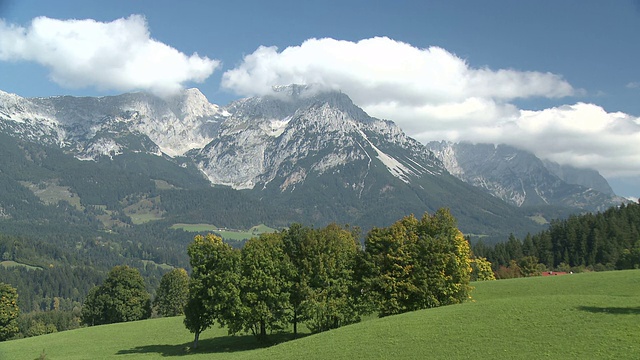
(601, 241)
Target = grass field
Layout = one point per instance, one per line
(539, 219)
(195, 227)
(148, 263)
(578, 316)
(10, 263)
(51, 193)
(227, 234)
(144, 210)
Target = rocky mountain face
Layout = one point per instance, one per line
(311, 156)
(107, 126)
(520, 178)
(585, 177)
(286, 139)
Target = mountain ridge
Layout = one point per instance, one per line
(520, 178)
(306, 155)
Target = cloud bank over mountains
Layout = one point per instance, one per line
(117, 55)
(435, 95)
(430, 93)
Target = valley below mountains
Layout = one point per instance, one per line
(119, 162)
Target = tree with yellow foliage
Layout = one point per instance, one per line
(9, 311)
(417, 264)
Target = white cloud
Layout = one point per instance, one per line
(118, 55)
(584, 135)
(383, 70)
(434, 95)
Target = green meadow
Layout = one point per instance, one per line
(577, 316)
(227, 234)
(11, 263)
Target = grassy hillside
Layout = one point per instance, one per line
(589, 315)
(226, 234)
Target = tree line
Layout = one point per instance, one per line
(324, 278)
(603, 241)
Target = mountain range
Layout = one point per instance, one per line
(521, 179)
(297, 155)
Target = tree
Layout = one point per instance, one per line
(122, 297)
(328, 265)
(9, 311)
(509, 272)
(293, 239)
(417, 264)
(93, 308)
(629, 258)
(265, 272)
(214, 286)
(481, 270)
(172, 293)
(529, 266)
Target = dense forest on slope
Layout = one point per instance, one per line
(605, 240)
(66, 267)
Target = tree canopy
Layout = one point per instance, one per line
(9, 311)
(122, 297)
(602, 241)
(265, 284)
(214, 293)
(172, 293)
(417, 264)
(323, 278)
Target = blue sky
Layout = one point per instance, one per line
(559, 78)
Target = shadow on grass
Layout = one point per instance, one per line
(220, 344)
(611, 310)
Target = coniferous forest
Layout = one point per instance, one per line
(603, 241)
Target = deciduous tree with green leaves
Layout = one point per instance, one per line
(265, 282)
(122, 297)
(172, 293)
(214, 286)
(9, 311)
(529, 266)
(293, 239)
(328, 265)
(92, 310)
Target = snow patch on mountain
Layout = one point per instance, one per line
(394, 166)
(276, 127)
(103, 147)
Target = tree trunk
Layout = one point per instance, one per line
(195, 341)
(263, 330)
(295, 323)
